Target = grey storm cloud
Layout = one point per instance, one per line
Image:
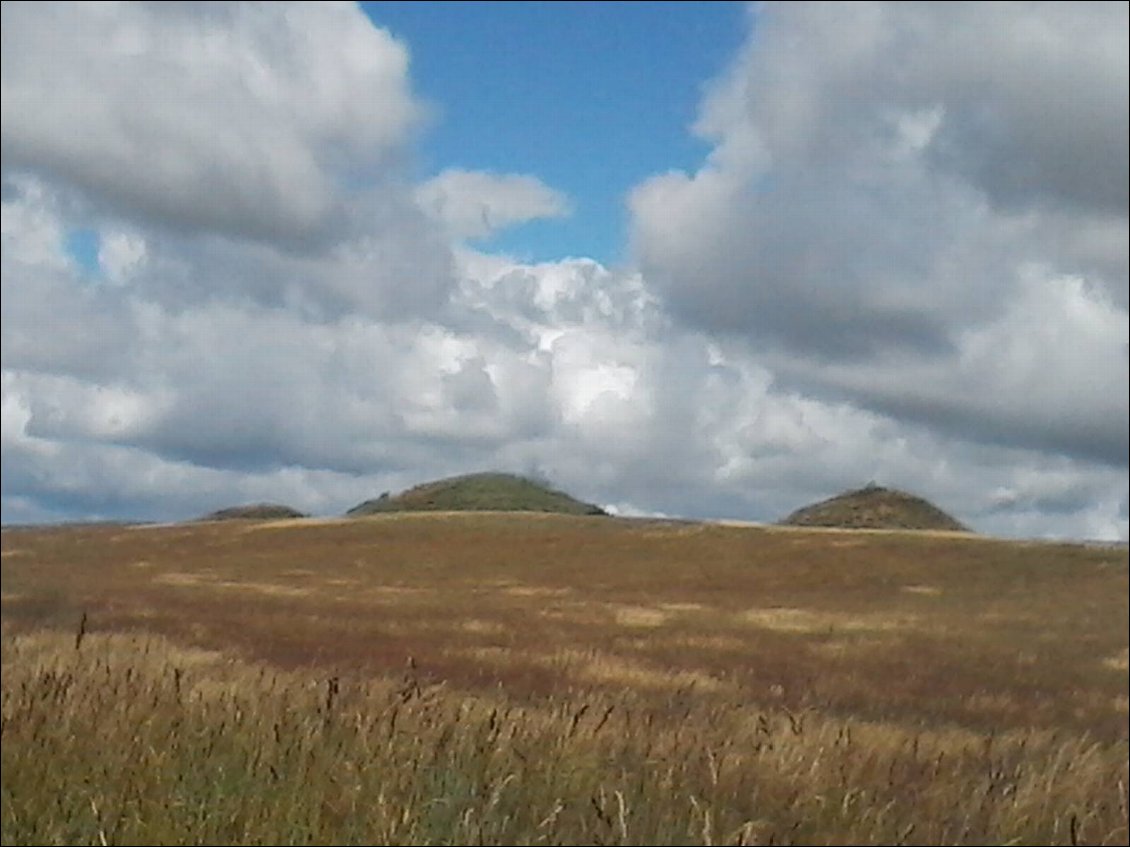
(1035, 101)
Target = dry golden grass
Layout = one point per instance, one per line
(928, 590)
(134, 739)
(544, 679)
(1118, 662)
(627, 615)
(807, 620)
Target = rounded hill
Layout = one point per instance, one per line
(487, 492)
(254, 512)
(875, 507)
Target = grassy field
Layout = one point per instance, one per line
(474, 678)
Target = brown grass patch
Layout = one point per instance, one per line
(267, 589)
(606, 669)
(533, 591)
(487, 654)
(184, 579)
(927, 590)
(841, 543)
(1119, 661)
(477, 626)
(808, 620)
(391, 592)
(639, 616)
(205, 580)
(291, 523)
(841, 648)
(993, 703)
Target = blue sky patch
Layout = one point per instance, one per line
(591, 98)
(83, 245)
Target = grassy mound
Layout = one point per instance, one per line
(486, 492)
(254, 512)
(875, 507)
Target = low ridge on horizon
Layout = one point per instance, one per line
(489, 491)
(875, 507)
(254, 512)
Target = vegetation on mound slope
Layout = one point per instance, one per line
(487, 492)
(875, 507)
(254, 512)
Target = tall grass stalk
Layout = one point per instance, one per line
(133, 740)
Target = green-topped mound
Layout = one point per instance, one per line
(875, 507)
(486, 492)
(254, 512)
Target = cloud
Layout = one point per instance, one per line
(477, 204)
(30, 226)
(833, 297)
(238, 119)
(919, 209)
(653, 417)
(1048, 376)
(577, 376)
(121, 254)
(1035, 102)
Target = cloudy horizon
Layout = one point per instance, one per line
(233, 272)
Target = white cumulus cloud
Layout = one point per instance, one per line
(921, 208)
(238, 118)
(476, 204)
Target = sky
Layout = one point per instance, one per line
(603, 94)
(690, 259)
